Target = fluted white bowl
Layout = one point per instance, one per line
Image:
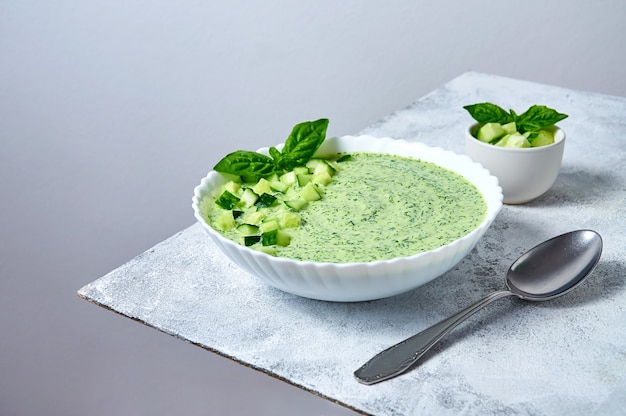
(351, 282)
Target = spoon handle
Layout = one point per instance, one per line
(397, 359)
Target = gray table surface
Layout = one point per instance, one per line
(566, 356)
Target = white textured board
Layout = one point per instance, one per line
(565, 356)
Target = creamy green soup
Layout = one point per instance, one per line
(380, 207)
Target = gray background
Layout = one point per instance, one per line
(111, 112)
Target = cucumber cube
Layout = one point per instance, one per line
(262, 187)
(296, 204)
(248, 198)
(309, 192)
(335, 165)
(304, 178)
(282, 238)
(265, 200)
(275, 237)
(509, 128)
(289, 219)
(279, 186)
(320, 165)
(322, 178)
(227, 200)
(269, 238)
(269, 225)
(232, 187)
(514, 140)
(250, 240)
(255, 217)
(248, 229)
(544, 138)
(489, 132)
(225, 221)
(289, 178)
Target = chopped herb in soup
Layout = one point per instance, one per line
(360, 207)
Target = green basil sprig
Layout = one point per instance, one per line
(299, 148)
(534, 119)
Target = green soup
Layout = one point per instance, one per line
(380, 207)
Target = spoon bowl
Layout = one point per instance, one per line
(565, 261)
(545, 272)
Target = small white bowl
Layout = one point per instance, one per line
(524, 174)
(350, 282)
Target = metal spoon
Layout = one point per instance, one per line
(545, 272)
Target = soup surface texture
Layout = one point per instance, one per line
(380, 207)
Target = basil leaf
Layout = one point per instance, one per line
(538, 117)
(300, 146)
(489, 113)
(246, 163)
(274, 153)
(302, 143)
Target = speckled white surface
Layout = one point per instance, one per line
(566, 356)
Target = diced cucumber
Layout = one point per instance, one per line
(289, 219)
(490, 132)
(289, 178)
(335, 165)
(304, 178)
(255, 217)
(258, 218)
(225, 221)
(275, 237)
(322, 178)
(291, 194)
(510, 128)
(262, 187)
(317, 166)
(543, 138)
(279, 186)
(232, 187)
(265, 200)
(296, 204)
(248, 198)
(251, 240)
(310, 193)
(269, 225)
(514, 140)
(282, 238)
(312, 163)
(227, 200)
(506, 135)
(248, 229)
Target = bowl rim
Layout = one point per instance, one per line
(492, 209)
(559, 140)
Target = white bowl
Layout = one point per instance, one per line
(524, 174)
(350, 282)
